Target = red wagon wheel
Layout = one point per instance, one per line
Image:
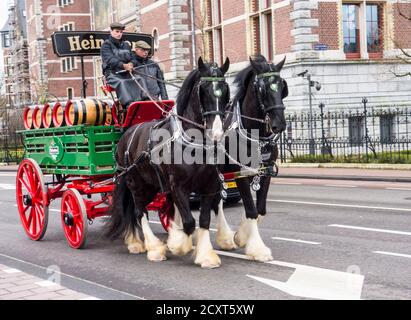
(31, 196)
(74, 218)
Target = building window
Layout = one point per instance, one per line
(356, 130)
(374, 30)
(214, 32)
(70, 93)
(68, 64)
(351, 30)
(261, 26)
(67, 27)
(63, 3)
(387, 134)
(362, 25)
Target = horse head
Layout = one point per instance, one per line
(270, 90)
(214, 95)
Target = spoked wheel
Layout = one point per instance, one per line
(31, 196)
(74, 218)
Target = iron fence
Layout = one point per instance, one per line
(368, 134)
(11, 148)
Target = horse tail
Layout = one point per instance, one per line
(123, 217)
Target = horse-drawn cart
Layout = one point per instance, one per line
(74, 159)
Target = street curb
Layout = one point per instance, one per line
(370, 166)
(350, 178)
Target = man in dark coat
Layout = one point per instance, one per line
(117, 56)
(150, 71)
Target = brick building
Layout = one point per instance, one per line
(52, 77)
(349, 46)
(6, 44)
(15, 55)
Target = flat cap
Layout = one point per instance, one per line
(117, 25)
(143, 45)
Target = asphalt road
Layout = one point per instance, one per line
(329, 239)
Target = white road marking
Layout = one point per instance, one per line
(400, 189)
(339, 186)
(339, 205)
(11, 271)
(370, 229)
(289, 183)
(296, 240)
(46, 284)
(73, 277)
(7, 186)
(393, 254)
(312, 282)
(8, 175)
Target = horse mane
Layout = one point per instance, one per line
(184, 93)
(245, 76)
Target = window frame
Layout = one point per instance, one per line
(362, 34)
(214, 31)
(261, 36)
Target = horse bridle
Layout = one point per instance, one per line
(258, 84)
(214, 79)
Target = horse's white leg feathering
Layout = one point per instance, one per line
(205, 256)
(179, 243)
(134, 244)
(255, 247)
(225, 236)
(156, 249)
(242, 234)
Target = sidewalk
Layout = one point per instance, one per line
(388, 173)
(328, 171)
(17, 285)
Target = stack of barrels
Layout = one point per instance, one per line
(93, 112)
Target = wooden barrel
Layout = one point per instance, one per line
(87, 111)
(57, 114)
(37, 123)
(28, 117)
(47, 116)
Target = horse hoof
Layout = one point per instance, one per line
(261, 257)
(136, 248)
(156, 256)
(264, 258)
(209, 263)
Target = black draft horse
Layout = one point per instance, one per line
(202, 100)
(259, 103)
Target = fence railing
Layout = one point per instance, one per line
(370, 134)
(376, 134)
(11, 148)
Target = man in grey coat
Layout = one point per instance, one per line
(150, 71)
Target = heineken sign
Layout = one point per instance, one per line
(88, 43)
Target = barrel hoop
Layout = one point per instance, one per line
(75, 106)
(83, 103)
(97, 104)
